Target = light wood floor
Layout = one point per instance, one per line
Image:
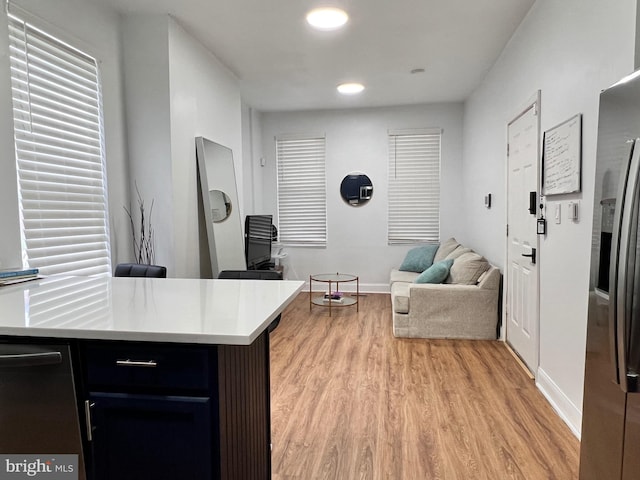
(350, 401)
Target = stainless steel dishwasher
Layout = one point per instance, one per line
(38, 413)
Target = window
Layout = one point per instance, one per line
(57, 114)
(414, 186)
(302, 192)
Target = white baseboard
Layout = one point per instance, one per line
(570, 414)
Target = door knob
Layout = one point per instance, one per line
(531, 255)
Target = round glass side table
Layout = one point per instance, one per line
(333, 298)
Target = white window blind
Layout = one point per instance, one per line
(57, 115)
(414, 186)
(302, 192)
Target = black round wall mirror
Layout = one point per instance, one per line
(356, 189)
(220, 205)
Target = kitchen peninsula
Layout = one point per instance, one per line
(170, 376)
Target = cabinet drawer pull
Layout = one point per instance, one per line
(136, 363)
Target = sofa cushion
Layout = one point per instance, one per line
(436, 273)
(405, 277)
(400, 295)
(445, 249)
(457, 252)
(467, 268)
(418, 259)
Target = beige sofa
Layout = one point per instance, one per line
(449, 309)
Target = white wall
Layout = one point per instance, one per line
(94, 30)
(176, 91)
(205, 101)
(251, 153)
(145, 41)
(570, 50)
(356, 141)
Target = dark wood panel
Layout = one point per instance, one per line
(243, 371)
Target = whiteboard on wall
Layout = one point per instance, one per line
(562, 157)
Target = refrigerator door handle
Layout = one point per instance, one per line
(30, 359)
(614, 262)
(621, 287)
(88, 405)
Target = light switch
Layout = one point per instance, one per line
(573, 211)
(558, 212)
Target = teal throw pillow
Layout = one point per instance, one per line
(419, 259)
(436, 273)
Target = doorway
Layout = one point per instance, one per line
(522, 286)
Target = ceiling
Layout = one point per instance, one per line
(283, 64)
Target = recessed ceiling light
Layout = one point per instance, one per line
(327, 18)
(350, 88)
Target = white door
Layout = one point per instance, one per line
(522, 317)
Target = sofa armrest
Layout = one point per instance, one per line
(491, 280)
(463, 311)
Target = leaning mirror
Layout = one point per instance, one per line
(356, 189)
(220, 205)
(222, 245)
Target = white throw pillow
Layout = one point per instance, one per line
(445, 249)
(467, 268)
(457, 252)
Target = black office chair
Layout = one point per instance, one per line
(251, 274)
(254, 275)
(140, 270)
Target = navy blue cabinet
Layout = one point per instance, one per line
(151, 411)
(151, 436)
(175, 411)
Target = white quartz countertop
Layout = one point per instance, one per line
(226, 312)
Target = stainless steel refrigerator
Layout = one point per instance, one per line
(610, 444)
(38, 412)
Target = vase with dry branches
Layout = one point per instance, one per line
(142, 235)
